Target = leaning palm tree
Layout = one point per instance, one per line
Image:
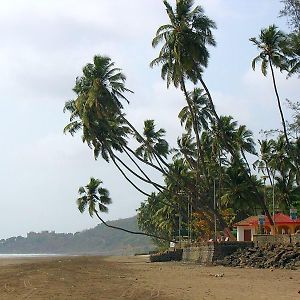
(102, 84)
(97, 111)
(96, 198)
(271, 44)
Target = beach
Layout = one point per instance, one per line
(96, 277)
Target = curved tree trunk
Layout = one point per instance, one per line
(147, 179)
(133, 232)
(144, 161)
(126, 177)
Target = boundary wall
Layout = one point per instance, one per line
(209, 252)
(283, 239)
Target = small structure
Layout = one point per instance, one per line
(250, 226)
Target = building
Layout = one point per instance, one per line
(283, 225)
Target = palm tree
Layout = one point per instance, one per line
(96, 198)
(186, 150)
(236, 193)
(183, 56)
(102, 85)
(245, 143)
(201, 111)
(263, 163)
(184, 52)
(293, 52)
(97, 111)
(153, 138)
(271, 44)
(97, 107)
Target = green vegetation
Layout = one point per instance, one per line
(208, 174)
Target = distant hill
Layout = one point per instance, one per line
(98, 240)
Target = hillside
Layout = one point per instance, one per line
(100, 240)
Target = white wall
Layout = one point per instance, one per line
(240, 232)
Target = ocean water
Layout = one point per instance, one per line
(28, 255)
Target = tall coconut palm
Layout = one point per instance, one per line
(184, 55)
(184, 52)
(277, 50)
(271, 44)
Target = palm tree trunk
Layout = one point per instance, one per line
(126, 177)
(133, 232)
(246, 161)
(289, 148)
(259, 197)
(279, 106)
(200, 155)
(147, 180)
(113, 158)
(141, 170)
(146, 162)
(157, 160)
(269, 173)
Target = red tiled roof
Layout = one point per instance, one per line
(250, 221)
(280, 218)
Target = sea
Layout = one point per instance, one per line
(29, 255)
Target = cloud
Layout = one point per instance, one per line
(254, 103)
(45, 44)
(42, 193)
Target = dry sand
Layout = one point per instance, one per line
(95, 277)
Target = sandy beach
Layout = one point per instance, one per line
(95, 277)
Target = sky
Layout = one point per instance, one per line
(45, 44)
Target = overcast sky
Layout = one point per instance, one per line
(45, 44)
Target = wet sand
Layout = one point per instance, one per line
(96, 277)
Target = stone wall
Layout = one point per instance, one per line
(207, 253)
(295, 238)
(283, 239)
